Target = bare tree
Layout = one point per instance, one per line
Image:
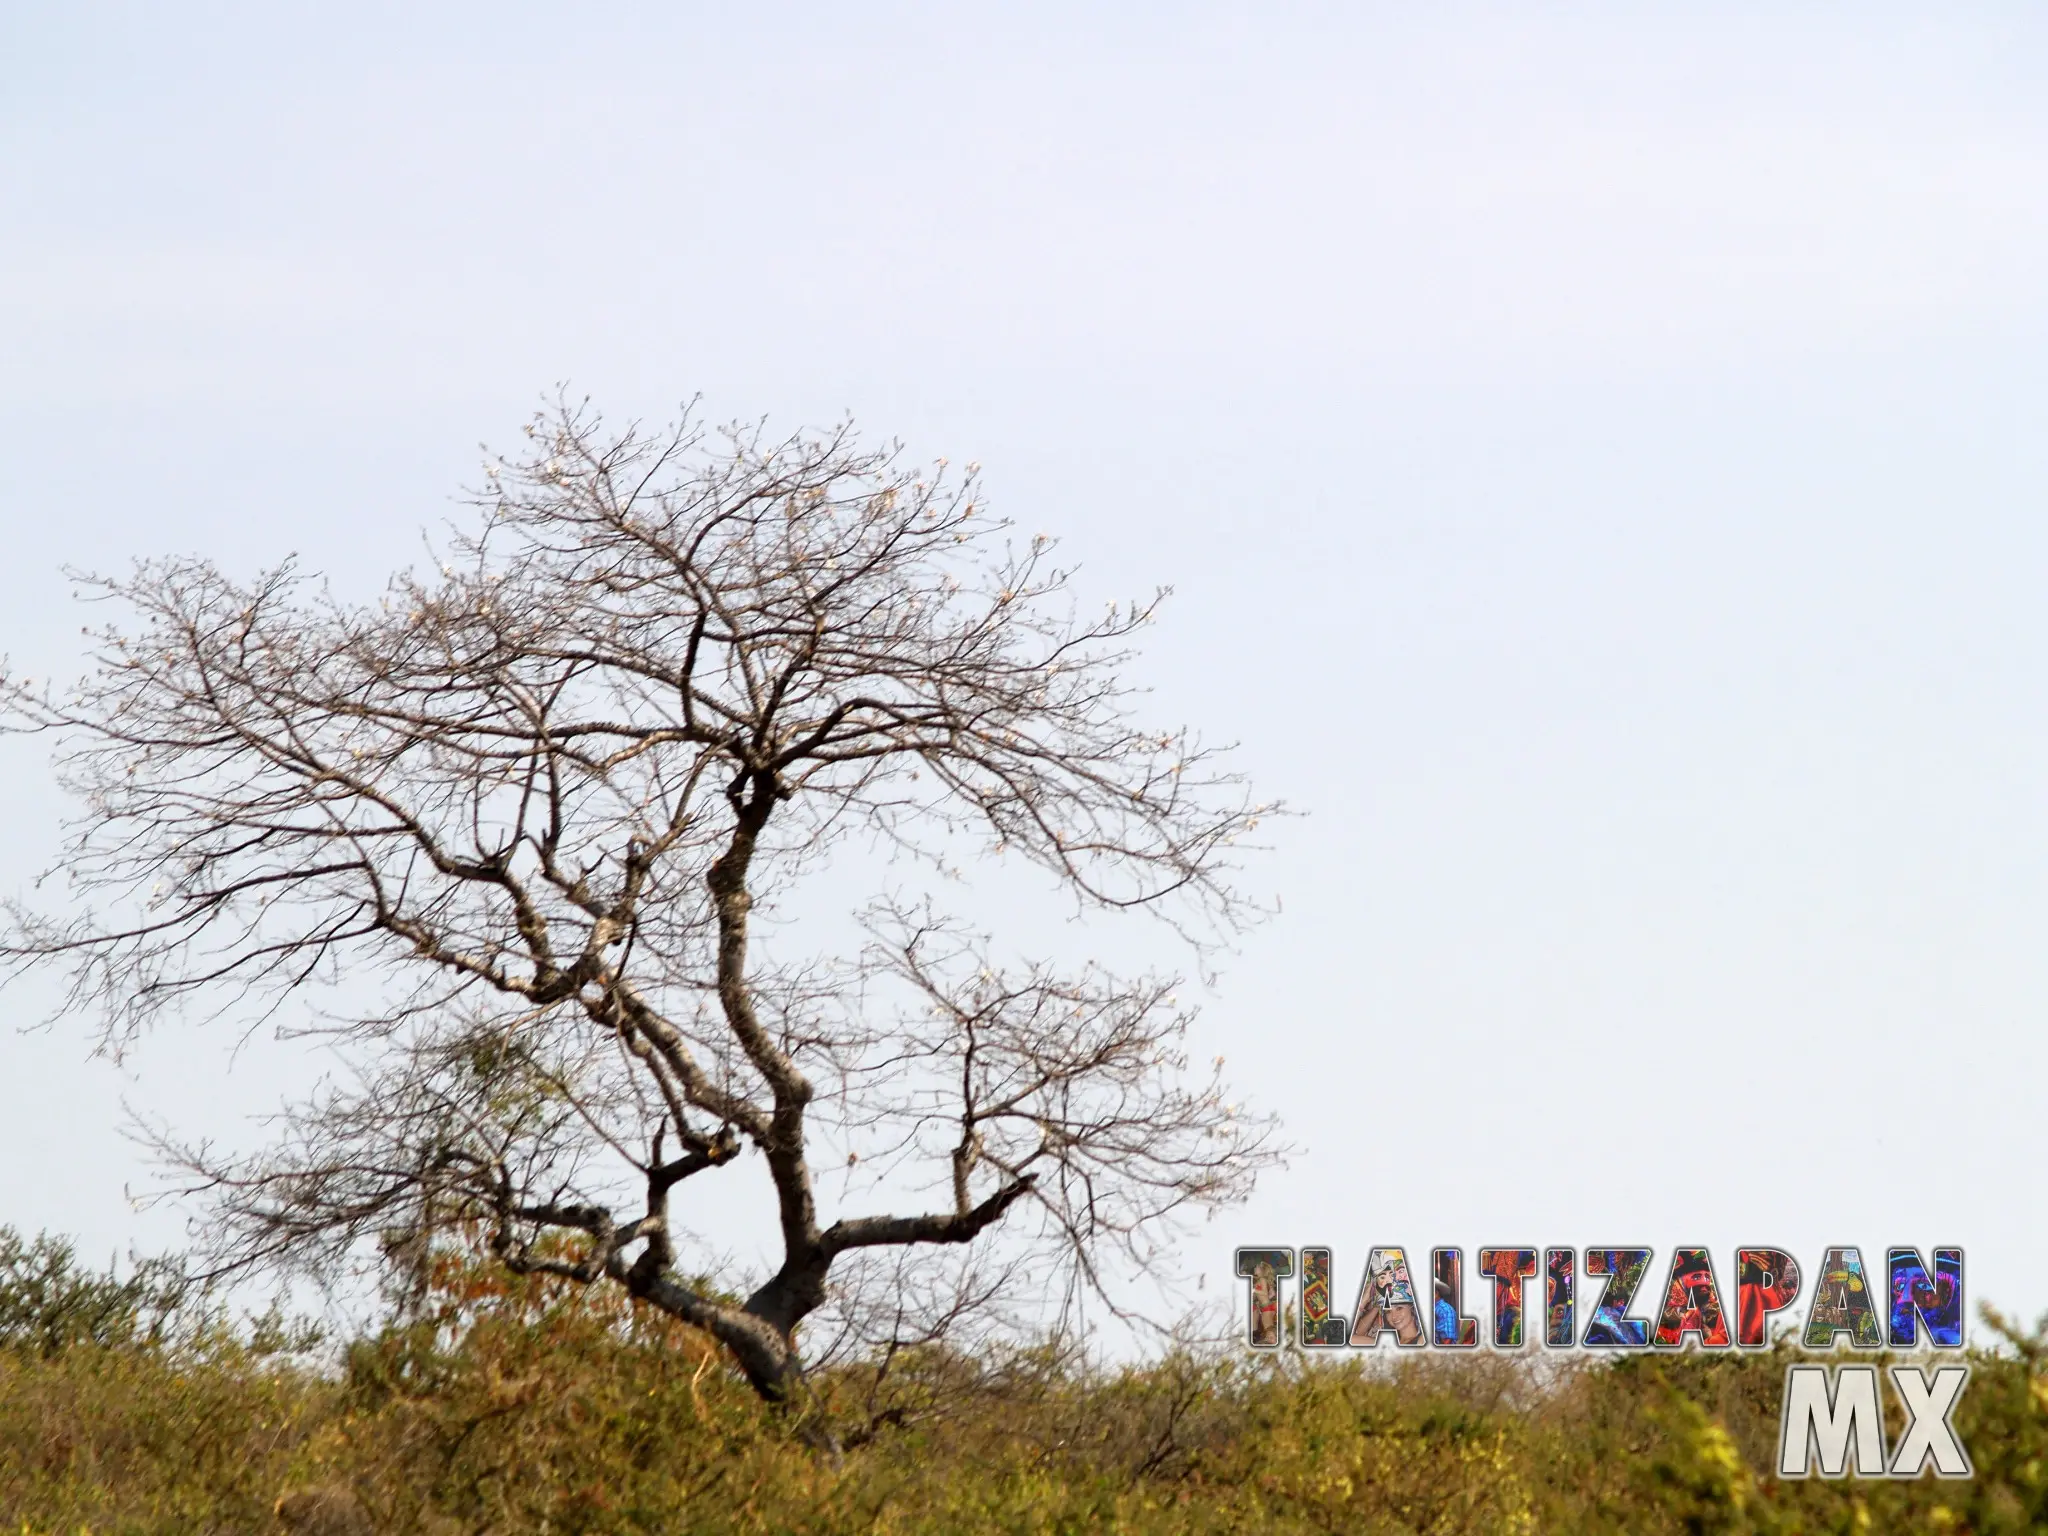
(538, 795)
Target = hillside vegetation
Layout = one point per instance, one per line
(130, 1406)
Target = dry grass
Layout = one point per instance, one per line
(518, 1410)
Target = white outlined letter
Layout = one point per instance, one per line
(1825, 1419)
(1928, 1431)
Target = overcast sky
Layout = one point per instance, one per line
(1597, 451)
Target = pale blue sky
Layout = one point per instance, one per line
(1598, 453)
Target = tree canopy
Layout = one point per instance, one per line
(532, 799)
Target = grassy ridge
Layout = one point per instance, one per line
(519, 1408)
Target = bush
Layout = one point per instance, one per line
(48, 1304)
(513, 1406)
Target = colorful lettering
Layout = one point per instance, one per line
(1559, 1298)
(1450, 1328)
(1938, 1302)
(1320, 1329)
(1609, 1326)
(1265, 1268)
(1766, 1281)
(1842, 1304)
(1507, 1268)
(1692, 1303)
(1386, 1302)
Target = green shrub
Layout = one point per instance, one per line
(528, 1406)
(48, 1303)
